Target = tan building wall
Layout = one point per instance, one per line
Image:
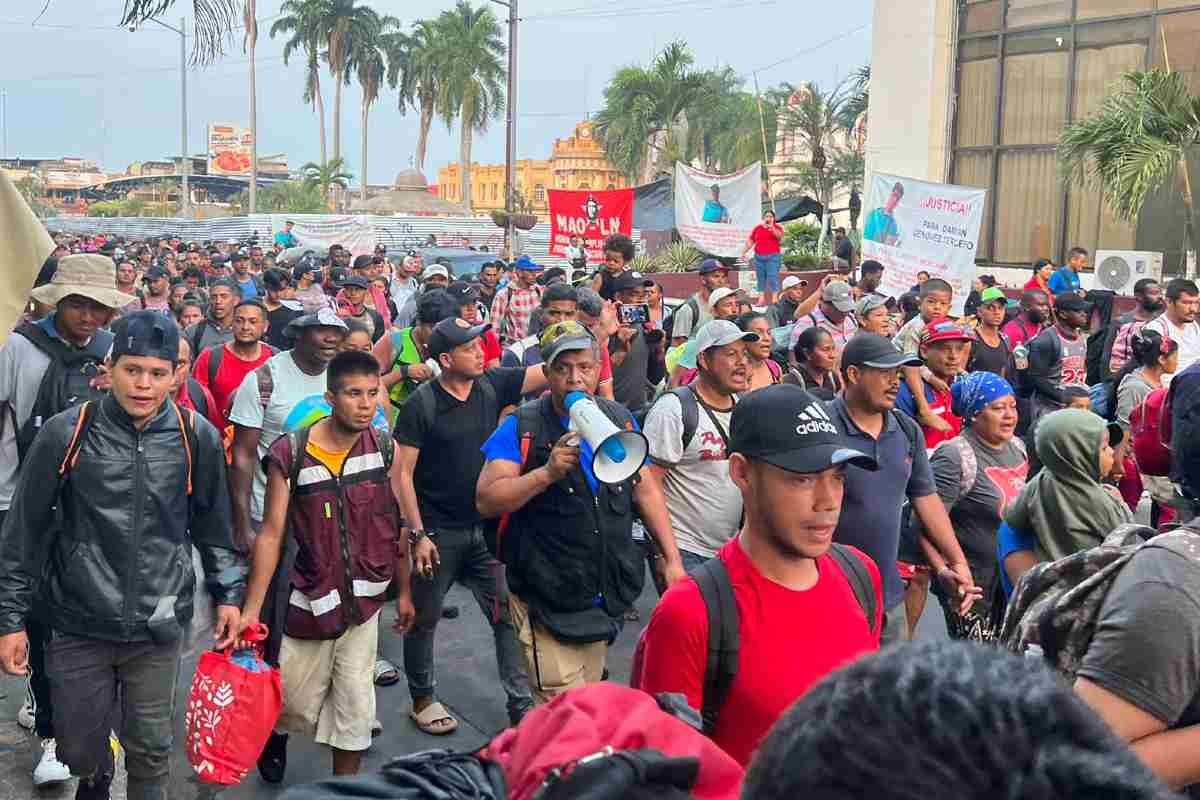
(577, 162)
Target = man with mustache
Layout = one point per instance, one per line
(1149, 295)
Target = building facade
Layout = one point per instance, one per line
(577, 162)
(977, 92)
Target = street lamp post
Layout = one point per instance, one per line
(510, 138)
(185, 163)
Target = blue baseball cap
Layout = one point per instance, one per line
(525, 262)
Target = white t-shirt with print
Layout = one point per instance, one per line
(297, 400)
(704, 504)
(1188, 337)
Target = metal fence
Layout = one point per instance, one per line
(396, 233)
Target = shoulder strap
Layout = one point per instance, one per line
(691, 412)
(909, 425)
(298, 442)
(87, 414)
(43, 341)
(775, 370)
(860, 581)
(426, 403)
(215, 354)
(198, 336)
(386, 447)
(188, 431)
(528, 415)
(724, 644)
(966, 456)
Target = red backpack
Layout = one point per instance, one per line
(1150, 432)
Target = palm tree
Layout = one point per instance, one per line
(287, 197)
(302, 21)
(857, 99)
(367, 60)
(325, 176)
(251, 40)
(1135, 143)
(812, 116)
(346, 22)
(472, 82)
(214, 20)
(414, 66)
(645, 115)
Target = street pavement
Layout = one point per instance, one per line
(468, 685)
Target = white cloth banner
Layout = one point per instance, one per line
(717, 212)
(914, 225)
(355, 233)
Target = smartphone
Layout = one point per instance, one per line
(633, 313)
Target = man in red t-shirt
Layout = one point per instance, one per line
(468, 308)
(238, 358)
(798, 617)
(765, 242)
(945, 346)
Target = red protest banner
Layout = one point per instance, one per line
(592, 215)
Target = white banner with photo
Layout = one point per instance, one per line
(914, 226)
(717, 212)
(355, 233)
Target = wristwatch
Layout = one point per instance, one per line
(416, 535)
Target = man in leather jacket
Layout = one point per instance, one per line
(138, 483)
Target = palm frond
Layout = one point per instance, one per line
(212, 28)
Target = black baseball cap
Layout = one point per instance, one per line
(789, 428)
(872, 350)
(155, 273)
(338, 276)
(434, 306)
(362, 262)
(462, 293)
(146, 333)
(1070, 301)
(357, 282)
(451, 333)
(630, 280)
(711, 265)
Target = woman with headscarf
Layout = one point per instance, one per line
(978, 474)
(1066, 507)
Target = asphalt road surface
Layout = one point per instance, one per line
(468, 684)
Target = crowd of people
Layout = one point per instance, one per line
(335, 434)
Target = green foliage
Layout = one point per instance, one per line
(325, 176)
(132, 207)
(800, 238)
(288, 197)
(1136, 142)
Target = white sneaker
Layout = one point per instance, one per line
(50, 769)
(25, 715)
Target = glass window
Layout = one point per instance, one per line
(1050, 40)
(1092, 9)
(976, 122)
(1037, 12)
(982, 16)
(1091, 224)
(975, 169)
(1175, 3)
(1098, 70)
(539, 193)
(1035, 98)
(983, 47)
(1115, 32)
(1028, 206)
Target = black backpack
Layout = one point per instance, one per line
(66, 383)
(669, 322)
(689, 405)
(723, 638)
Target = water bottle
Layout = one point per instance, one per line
(1021, 357)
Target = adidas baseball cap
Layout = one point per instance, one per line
(789, 428)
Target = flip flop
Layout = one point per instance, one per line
(385, 672)
(434, 713)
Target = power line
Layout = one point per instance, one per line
(648, 11)
(808, 50)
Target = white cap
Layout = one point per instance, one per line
(789, 282)
(719, 295)
(435, 269)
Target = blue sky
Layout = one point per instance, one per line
(79, 85)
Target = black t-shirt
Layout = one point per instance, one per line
(606, 284)
(449, 459)
(277, 321)
(985, 358)
(630, 376)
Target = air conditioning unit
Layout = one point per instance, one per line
(1119, 270)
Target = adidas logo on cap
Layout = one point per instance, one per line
(813, 420)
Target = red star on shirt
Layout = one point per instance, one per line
(1009, 480)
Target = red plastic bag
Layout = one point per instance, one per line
(232, 708)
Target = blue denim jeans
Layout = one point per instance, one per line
(766, 269)
(465, 559)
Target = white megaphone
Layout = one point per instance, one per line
(616, 454)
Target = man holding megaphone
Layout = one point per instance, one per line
(561, 474)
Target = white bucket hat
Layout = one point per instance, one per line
(88, 275)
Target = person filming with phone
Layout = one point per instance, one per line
(637, 349)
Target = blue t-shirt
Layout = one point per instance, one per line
(879, 226)
(870, 518)
(714, 212)
(285, 240)
(905, 401)
(1009, 541)
(249, 289)
(505, 445)
(1064, 279)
